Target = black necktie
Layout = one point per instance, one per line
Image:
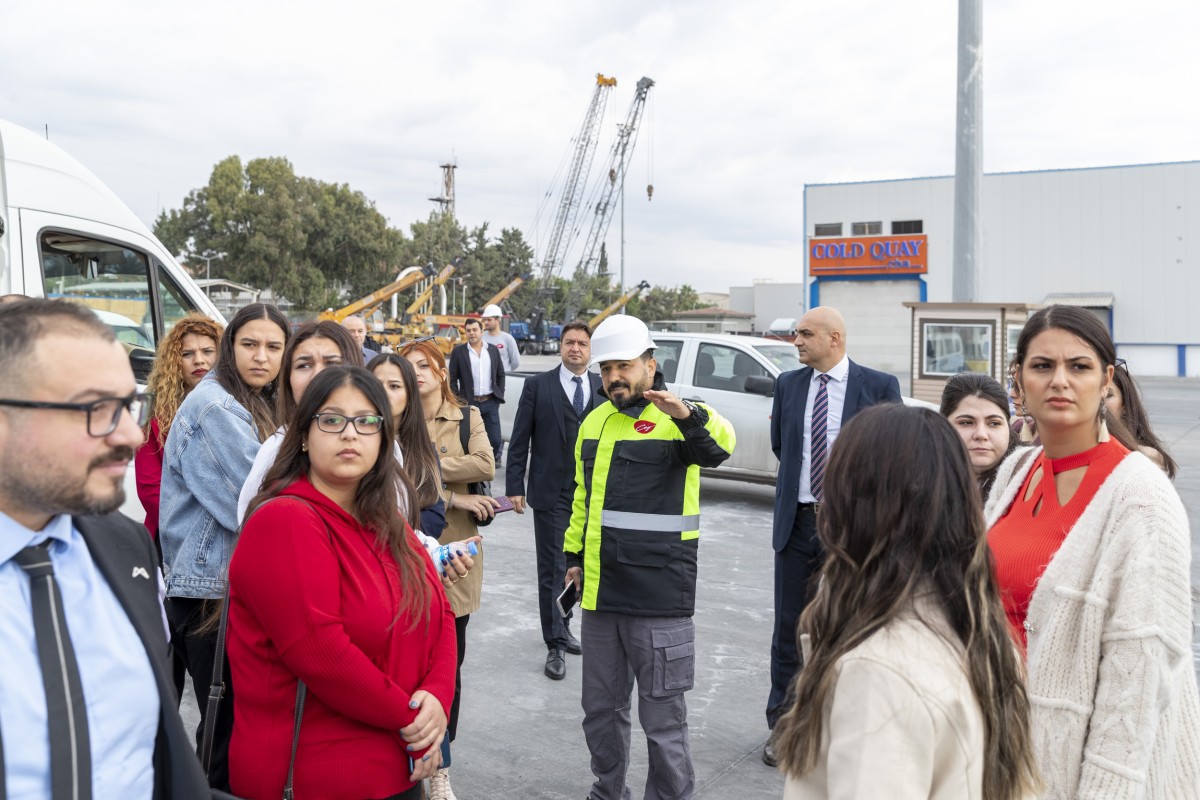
(66, 712)
(578, 396)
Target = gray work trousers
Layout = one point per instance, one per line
(660, 653)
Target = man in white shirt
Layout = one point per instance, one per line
(477, 377)
(552, 406)
(504, 342)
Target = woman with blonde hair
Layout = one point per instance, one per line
(444, 416)
(185, 355)
(911, 686)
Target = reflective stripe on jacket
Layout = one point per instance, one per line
(635, 521)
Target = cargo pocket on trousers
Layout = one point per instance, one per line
(674, 659)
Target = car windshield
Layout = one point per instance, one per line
(781, 355)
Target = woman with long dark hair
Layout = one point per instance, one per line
(977, 407)
(213, 441)
(911, 687)
(1092, 549)
(328, 586)
(444, 414)
(412, 435)
(1124, 402)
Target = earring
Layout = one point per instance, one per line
(304, 447)
(1103, 435)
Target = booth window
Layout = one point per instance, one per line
(866, 228)
(828, 229)
(954, 346)
(907, 226)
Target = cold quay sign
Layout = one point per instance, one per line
(869, 255)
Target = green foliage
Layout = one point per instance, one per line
(661, 302)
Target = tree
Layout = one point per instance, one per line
(661, 302)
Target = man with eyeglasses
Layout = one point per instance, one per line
(87, 706)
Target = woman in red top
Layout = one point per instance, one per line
(185, 355)
(329, 586)
(1092, 552)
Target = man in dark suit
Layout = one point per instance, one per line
(477, 377)
(545, 428)
(87, 704)
(811, 405)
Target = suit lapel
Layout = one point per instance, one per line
(854, 387)
(559, 408)
(802, 385)
(128, 571)
(594, 399)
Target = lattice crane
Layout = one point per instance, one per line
(576, 181)
(605, 205)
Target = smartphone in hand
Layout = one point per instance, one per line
(568, 599)
(505, 504)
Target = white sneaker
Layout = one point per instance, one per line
(439, 786)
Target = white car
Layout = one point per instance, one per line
(733, 374)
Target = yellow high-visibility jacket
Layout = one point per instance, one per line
(635, 522)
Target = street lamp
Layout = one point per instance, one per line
(207, 269)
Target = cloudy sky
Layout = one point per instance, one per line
(753, 100)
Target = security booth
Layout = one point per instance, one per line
(949, 338)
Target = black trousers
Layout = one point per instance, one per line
(196, 650)
(796, 570)
(548, 529)
(490, 411)
(460, 630)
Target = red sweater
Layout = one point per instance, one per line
(147, 468)
(319, 603)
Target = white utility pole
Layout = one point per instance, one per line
(968, 156)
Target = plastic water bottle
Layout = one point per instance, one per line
(446, 552)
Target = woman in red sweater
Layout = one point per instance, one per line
(329, 586)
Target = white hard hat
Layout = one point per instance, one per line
(620, 338)
(492, 311)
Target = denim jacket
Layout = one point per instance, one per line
(206, 459)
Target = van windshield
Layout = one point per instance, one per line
(781, 355)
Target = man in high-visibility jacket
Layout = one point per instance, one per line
(631, 552)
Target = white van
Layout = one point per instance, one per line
(63, 233)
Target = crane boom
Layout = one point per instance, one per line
(576, 180)
(618, 162)
(618, 304)
(379, 295)
(502, 295)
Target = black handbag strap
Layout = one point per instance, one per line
(464, 430)
(217, 690)
(301, 693)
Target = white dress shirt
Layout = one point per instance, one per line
(123, 704)
(566, 378)
(481, 369)
(836, 389)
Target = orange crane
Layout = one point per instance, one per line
(502, 295)
(618, 304)
(372, 301)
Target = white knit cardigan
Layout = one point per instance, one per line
(1112, 687)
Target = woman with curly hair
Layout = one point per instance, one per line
(185, 355)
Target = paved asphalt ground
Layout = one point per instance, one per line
(520, 734)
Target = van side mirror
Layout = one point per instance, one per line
(760, 384)
(142, 361)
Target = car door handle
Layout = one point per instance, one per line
(694, 399)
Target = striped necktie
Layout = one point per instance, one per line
(66, 711)
(820, 439)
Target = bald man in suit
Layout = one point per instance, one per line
(811, 405)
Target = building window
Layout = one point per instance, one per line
(907, 226)
(866, 228)
(828, 229)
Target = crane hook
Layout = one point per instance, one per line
(649, 192)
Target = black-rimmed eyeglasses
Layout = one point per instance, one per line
(366, 425)
(103, 415)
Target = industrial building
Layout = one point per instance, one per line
(1112, 239)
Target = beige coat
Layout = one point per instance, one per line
(902, 723)
(459, 469)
